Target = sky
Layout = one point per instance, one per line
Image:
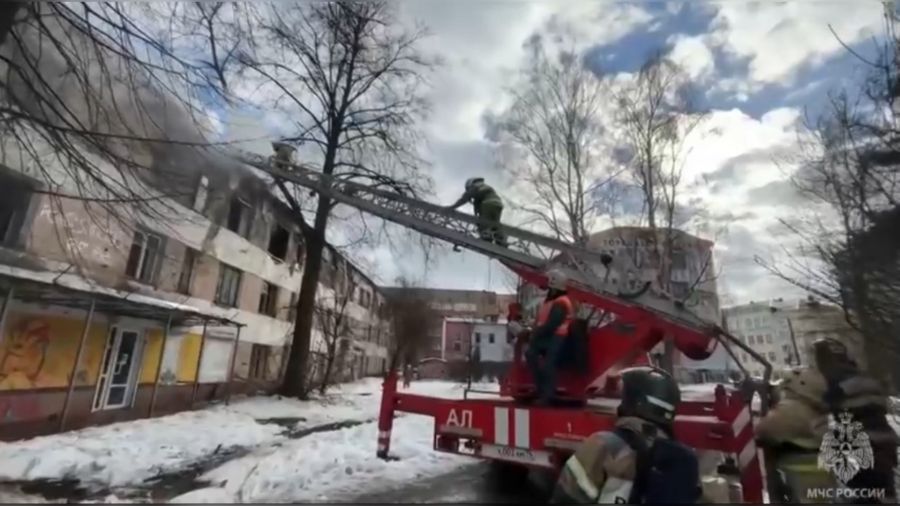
(760, 67)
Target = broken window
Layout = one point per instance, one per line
(268, 300)
(187, 271)
(278, 242)
(144, 257)
(13, 208)
(239, 217)
(259, 360)
(229, 286)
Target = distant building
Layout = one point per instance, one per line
(766, 328)
(492, 342)
(784, 331)
(466, 304)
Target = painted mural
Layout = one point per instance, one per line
(24, 354)
(38, 351)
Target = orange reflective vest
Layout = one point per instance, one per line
(544, 314)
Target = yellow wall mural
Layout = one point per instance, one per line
(38, 351)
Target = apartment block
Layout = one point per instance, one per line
(115, 311)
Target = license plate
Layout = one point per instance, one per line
(520, 455)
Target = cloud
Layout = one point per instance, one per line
(759, 64)
(775, 193)
(694, 55)
(777, 38)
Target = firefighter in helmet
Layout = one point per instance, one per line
(792, 433)
(547, 339)
(860, 398)
(613, 467)
(488, 207)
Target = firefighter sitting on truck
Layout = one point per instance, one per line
(792, 432)
(638, 462)
(548, 336)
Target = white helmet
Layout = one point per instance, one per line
(556, 279)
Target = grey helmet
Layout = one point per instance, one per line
(651, 394)
(472, 181)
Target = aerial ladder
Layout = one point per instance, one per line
(508, 429)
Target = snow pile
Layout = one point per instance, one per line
(130, 452)
(332, 465)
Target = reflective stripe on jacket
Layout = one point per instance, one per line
(547, 306)
(795, 421)
(602, 469)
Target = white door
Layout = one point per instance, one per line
(119, 371)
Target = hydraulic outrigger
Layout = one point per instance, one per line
(507, 429)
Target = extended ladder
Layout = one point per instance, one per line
(581, 265)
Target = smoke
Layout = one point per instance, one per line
(76, 74)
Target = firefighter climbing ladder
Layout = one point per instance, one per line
(457, 228)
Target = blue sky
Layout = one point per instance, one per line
(758, 67)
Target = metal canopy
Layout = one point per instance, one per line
(37, 292)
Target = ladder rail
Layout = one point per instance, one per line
(342, 191)
(455, 227)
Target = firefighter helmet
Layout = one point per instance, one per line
(832, 358)
(556, 280)
(472, 181)
(649, 393)
(806, 384)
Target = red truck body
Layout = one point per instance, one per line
(505, 427)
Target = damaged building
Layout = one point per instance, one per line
(115, 311)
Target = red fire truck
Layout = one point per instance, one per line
(506, 427)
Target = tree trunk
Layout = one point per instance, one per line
(295, 380)
(8, 11)
(296, 384)
(326, 375)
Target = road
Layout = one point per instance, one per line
(476, 483)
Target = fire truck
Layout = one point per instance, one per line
(506, 427)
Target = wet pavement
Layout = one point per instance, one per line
(476, 483)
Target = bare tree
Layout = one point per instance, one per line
(411, 317)
(93, 104)
(846, 250)
(335, 325)
(349, 77)
(555, 133)
(656, 114)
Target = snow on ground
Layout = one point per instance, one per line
(336, 464)
(331, 465)
(124, 453)
(128, 453)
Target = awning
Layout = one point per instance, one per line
(74, 291)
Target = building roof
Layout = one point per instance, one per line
(74, 291)
(646, 231)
